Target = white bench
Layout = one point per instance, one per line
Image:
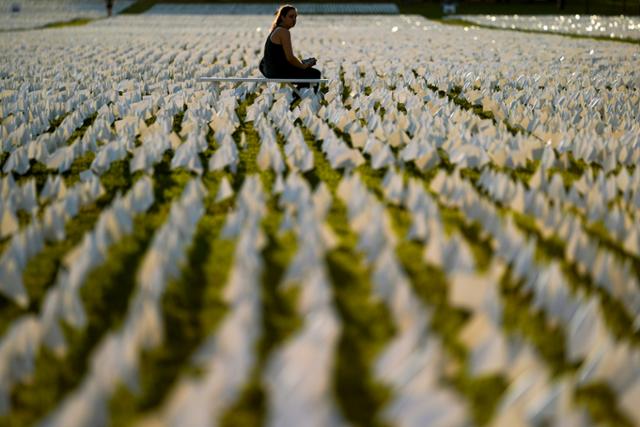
(262, 80)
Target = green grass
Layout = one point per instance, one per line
(54, 123)
(3, 158)
(600, 401)
(138, 7)
(520, 319)
(248, 164)
(455, 97)
(77, 22)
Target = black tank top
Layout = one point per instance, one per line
(275, 62)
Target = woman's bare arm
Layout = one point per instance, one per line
(284, 37)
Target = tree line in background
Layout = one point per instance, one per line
(604, 7)
(432, 9)
(624, 7)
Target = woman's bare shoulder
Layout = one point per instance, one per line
(281, 30)
(280, 34)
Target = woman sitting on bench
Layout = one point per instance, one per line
(279, 60)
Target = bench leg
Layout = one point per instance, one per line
(295, 90)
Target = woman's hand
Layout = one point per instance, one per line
(309, 62)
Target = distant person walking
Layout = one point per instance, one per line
(109, 7)
(279, 60)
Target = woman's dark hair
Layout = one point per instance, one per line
(281, 13)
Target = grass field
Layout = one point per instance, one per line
(448, 231)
